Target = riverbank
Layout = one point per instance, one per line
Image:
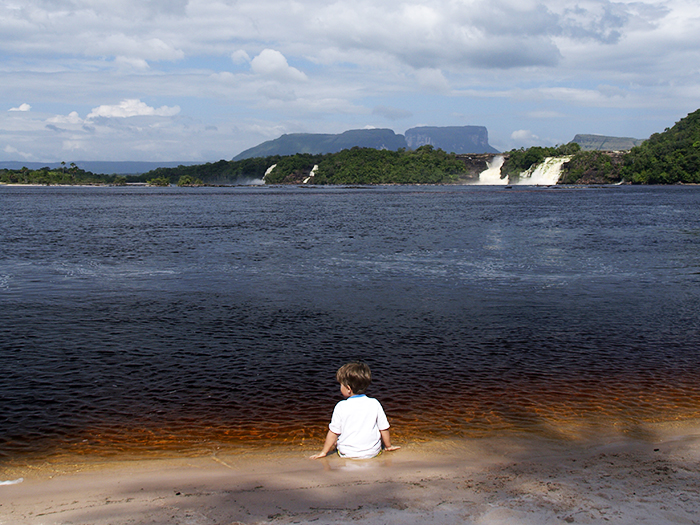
(490, 481)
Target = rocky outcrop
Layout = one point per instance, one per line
(594, 167)
(589, 167)
(452, 139)
(476, 164)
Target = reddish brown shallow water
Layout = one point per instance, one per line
(566, 411)
(150, 322)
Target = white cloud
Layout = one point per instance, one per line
(432, 79)
(554, 67)
(132, 108)
(22, 107)
(524, 138)
(71, 118)
(240, 57)
(137, 48)
(74, 145)
(272, 64)
(137, 64)
(14, 151)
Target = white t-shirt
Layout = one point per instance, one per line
(357, 420)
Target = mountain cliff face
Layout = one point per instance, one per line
(317, 143)
(452, 139)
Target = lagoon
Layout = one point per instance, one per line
(148, 321)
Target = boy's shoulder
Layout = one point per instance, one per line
(361, 399)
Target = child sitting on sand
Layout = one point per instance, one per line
(358, 427)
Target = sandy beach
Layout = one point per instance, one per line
(513, 480)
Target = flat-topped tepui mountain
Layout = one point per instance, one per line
(452, 139)
(605, 143)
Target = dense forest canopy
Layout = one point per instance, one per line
(520, 160)
(221, 172)
(70, 174)
(424, 165)
(669, 157)
(666, 158)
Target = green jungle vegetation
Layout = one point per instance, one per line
(424, 165)
(66, 174)
(519, 160)
(592, 167)
(213, 173)
(667, 158)
(670, 157)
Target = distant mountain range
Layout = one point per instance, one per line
(316, 143)
(603, 143)
(453, 139)
(98, 166)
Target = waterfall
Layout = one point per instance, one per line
(311, 175)
(269, 170)
(492, 173)
(546, 173)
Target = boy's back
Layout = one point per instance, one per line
(358, 421)
(359, 426)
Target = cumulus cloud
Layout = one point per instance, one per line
(240, 57)
(524, 138)
(272, 64)
(432, 79)
(137, 48)
(132, 108)
(138, 64)
(14, 151)
(448, 35)
(71, 118)
(498, 63)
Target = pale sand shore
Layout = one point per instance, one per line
(519, 481)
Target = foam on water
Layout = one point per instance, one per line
(12, 481)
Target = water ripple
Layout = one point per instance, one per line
(138, 321)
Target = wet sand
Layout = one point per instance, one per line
(514, 480)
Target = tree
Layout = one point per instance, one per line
(188, 180)
(159, 181)
(669, 157)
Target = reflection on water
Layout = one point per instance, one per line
(142, 321)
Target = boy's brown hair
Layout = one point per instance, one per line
(356, 376)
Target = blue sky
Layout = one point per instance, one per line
(202, 80)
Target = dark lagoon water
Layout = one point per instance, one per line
(148, 321)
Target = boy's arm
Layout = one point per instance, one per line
(331, 440)
(386, 439)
